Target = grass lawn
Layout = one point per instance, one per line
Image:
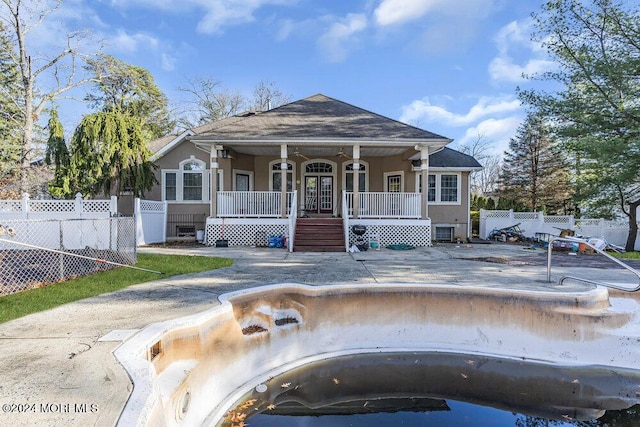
(627, 255)
(34, 300)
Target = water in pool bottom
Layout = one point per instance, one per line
(441, 389)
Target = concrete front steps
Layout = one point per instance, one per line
(319, 235)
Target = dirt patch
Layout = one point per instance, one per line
(561, 259)
(504, 260)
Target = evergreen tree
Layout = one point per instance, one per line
(58, 155)
(110, 154)
(43, 76)
(595, 112)
(129, 89)
(109, 147)
(533, 173)
(10, 115)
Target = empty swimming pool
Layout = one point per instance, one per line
(198, 370)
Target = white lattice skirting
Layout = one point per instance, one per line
(252, 232)
(393, 234)
(245, 232)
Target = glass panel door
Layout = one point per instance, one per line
(318, 194)
(311, 194)
(242, 182)
(326, 194)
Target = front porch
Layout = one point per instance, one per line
(248, 218)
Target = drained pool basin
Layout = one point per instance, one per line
(195, 370)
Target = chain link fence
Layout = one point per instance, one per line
(36, 253)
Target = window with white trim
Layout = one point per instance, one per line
(242, 180)
(394, 182)
(275, 179)
(190, 183)
(363, 176)
(444, 188)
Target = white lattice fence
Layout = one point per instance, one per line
(35, 253)
(57, 209)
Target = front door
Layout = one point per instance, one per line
(318, 194)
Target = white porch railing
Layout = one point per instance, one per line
(386, 205)
(251, 204)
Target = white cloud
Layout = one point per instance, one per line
(515, 39)
(168, 61)
(336, 42)
(444, 25)
(495, 119)
(423, 111)
(498, 131)
(394, 12)
(288, 28)
(464, 12)
(216, 14)
(131, 43)
(504, 69)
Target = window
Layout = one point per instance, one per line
(362, 177)
(444, 234)
(393, 182)
(443, 188)
(242, 180)
(276, 176)
(192, 180)
(190, 183)
(170, 189)
(449, 188)
(319, 167)
(431, 195)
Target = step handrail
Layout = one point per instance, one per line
(594, 282)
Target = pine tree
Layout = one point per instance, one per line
(58, 154)
(10, 115)
(533, 173)
(109, 147)
(129, 89)
(595, 111)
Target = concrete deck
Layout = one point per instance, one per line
(58, 367)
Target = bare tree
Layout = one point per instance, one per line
(208, 102)
(266, 96)
(57, 68)
(485, 181)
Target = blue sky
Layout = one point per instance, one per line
(449, 66)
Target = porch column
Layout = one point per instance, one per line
(283, 180)
(424, 178)
(213, 209)
(356, 181)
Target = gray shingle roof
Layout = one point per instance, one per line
(317, 116)
(449, 158)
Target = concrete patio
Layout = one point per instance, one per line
(58, 367)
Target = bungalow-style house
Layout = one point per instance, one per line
(310, 170)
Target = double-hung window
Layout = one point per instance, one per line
(443, 188)
(189, 183)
